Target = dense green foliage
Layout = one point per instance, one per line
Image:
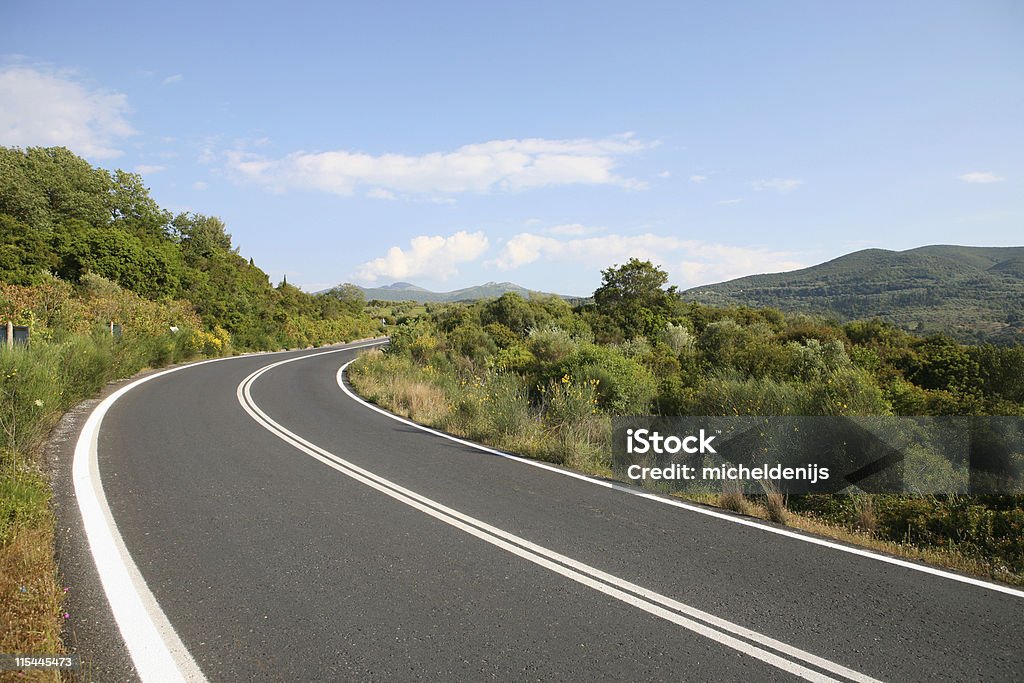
(651, 351)
(543, 378)
(971, 293)
(59, 216)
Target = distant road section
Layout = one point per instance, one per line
(286, 531)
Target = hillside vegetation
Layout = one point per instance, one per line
(62, 218)
(81, 248)
(971, 293)
(541, 378)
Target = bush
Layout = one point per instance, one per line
(849, 392)
(680, 339)
(623, 385)
(510, 417)
(550, 345)
(472, 342)
(726, 395)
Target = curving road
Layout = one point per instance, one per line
(287, 532)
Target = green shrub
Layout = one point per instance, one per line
(623, 385)
(729, 395)
(550, 345)
(848, 392)
(472, 342)
(680, 339)
(510, 416)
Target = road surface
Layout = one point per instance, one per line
(277, 529)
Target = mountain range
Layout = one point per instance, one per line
(405, 291)
(972, 293)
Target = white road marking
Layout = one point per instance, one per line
(633, 491)
(155, 648)
(715, 628)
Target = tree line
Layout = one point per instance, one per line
(62, 218)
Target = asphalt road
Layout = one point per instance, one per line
(290, 533)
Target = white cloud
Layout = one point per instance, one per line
(380, 193)
(665, 174)
(498, 165)
(778, 184)
(698, 178)
(689, 262)
(729, 202)
(200, 185)
(526, 248)
(207, 155)
(573, 229)
(981, 178)
(39, 107)
(149, 168)
(173, 78)
(436, 256)
(712, 263)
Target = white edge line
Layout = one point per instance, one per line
(686, 506)
(613, 586)
(155, 648)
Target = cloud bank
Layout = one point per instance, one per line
(436, 257)
(689, 262)
(498, 165)
(49, 108)
(981, 178)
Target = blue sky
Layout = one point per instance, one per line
(452, 143)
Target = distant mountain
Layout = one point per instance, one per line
(402, 287)
(972, 293)
(404, 291)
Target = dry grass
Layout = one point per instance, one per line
(774, 502)
(864, 508)
(732, 498)
(30, 599)
(948, 558)
(419, 401)
(405, 395)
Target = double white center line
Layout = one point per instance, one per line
(776, 653)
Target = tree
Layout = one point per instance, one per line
(24, 255)
(346, 299)
(42, 186)
(201, 237)
(510, 310)
(133, 206)
(941, 363)
(632, 296)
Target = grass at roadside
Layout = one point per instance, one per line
(37, 385)
(954, 532)
(566, 429)
(32, 596)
